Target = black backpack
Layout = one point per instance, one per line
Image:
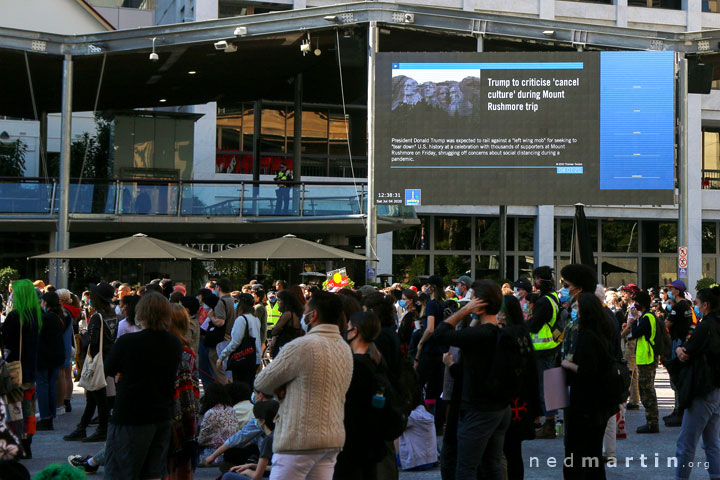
(663, 343)
(617, 382)
(513, 349)
(391, 416)
(449, 308)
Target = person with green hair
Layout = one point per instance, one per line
(59, 472)
(23, 322)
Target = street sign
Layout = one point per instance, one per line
(682, 272)
(682, 260)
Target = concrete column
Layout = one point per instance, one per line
(694, 190)
(204, 140)
(545, 236)
(546, 9)
(693, 9)
(299, 4)
(384, 249)
(469, 5)
(621, 9)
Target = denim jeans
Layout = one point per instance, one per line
(204, 366)
(480, 439)
(47, 392)
(702, 418)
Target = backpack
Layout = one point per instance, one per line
(513, 349)
(449, 308)
(391, 412)
(558, 330)
(663, 343)
(617, 382)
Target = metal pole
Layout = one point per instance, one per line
(503, 241)
(297, 137)
(63, 236)
(682, 92)
(371, 240)
(257, 130)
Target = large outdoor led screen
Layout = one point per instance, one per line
(525, 128)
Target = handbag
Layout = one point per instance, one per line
(92, 377)
(15, 368)
(6, 383)
(245, 355)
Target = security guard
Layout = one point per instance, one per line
(282, 193)
(545, 315)
(273, 310)
(644, 330)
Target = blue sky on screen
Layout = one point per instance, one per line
(436, 75)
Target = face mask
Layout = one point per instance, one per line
(305, 326)
(564, 295)
(252, 398)
(44, 309)
(236, 304)
(698, 313)
(474, 316)
(346, 333)
(402, 303)
(671, 296)
(89, 303)
(272, 300)
(457, 292)
(574, 314)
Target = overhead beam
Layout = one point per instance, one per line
(431, 19)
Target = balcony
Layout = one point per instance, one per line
(190, 198)
(710, 179)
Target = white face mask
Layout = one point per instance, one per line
(305, 326)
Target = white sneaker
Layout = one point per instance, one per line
(60, 411)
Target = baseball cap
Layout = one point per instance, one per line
(464, 279)
(631, 287)
(679, 284)
(522, 284)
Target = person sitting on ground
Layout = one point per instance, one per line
(265, 413)
(240, 394)
(219, 421)
(417, 447)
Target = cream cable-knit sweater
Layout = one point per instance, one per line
(317, 370)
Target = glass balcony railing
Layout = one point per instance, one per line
(140, 197)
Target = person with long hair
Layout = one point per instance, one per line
(101, 308)
(65, 383)
(219, 421)
(51, 356)
(527, 403)
(701, 418)
(364, 448)
(409, 303)
(146, 364)
(183, 448)
(589, 410)
(289, 326)
(127, 309)
(19, 336)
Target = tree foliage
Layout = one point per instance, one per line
(12, 158)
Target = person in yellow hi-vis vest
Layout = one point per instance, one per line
(644, 330)
(282, 194)
(273, 310)
(545, 314)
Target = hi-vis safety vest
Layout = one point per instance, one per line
(282, 176)
(273, 314)
(543, 340)
(644, 351)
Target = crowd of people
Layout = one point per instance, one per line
(303, 383)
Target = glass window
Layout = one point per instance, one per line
(315, 133)
(709, 267)
(230, 139)
(487, 235)
(412, 238)
(566, 225)
(406, 268)
(452, 233)
(338, 134)
(274, 130)
(526, 234)
(451, 266)
(613, 274)
(525, 266)
(619, 236)
(487, 266)
(709, 237)
(560, 262)
(668, 271)
(510, 235)
(659, 237)
(667, 4)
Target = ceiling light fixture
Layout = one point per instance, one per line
(163, 100)
(192, 72)
(548, 33)
(154, 57)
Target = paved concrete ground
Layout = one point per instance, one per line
(48, 447)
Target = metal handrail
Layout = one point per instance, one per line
(184, 181)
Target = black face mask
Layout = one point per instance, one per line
(345, 335)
